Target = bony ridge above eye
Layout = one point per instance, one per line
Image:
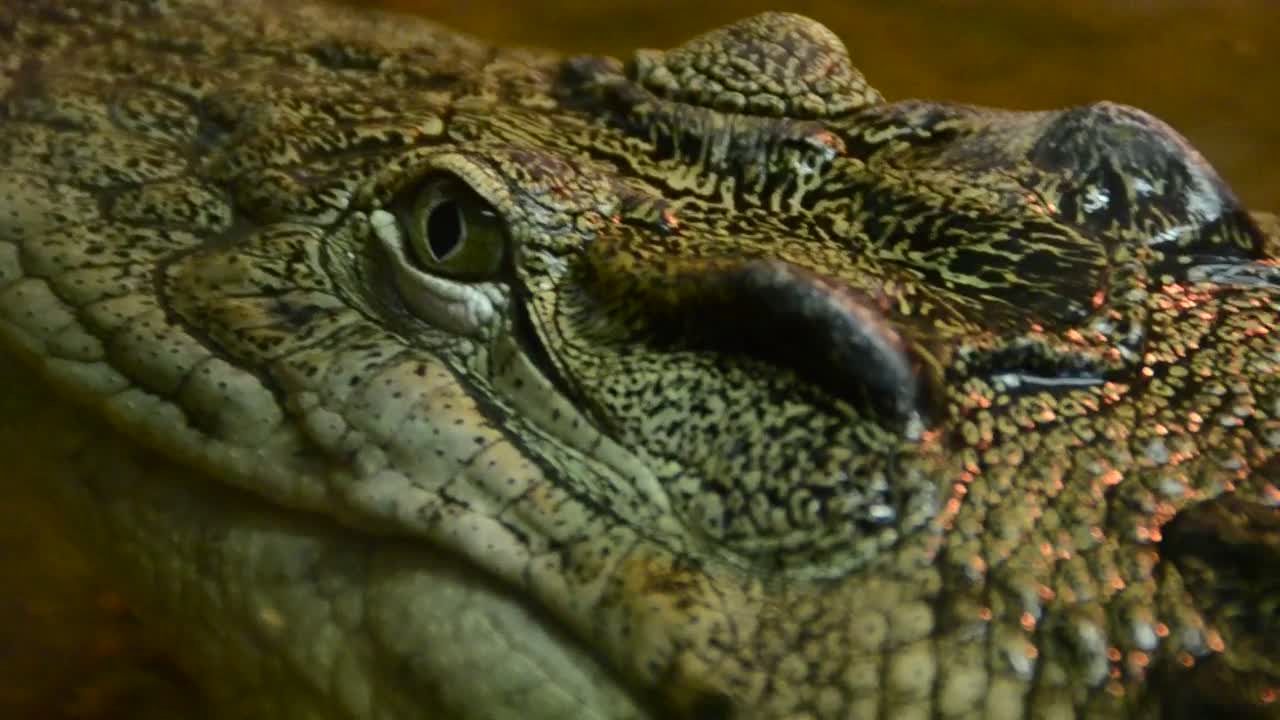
(452, 231)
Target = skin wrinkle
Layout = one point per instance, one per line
(797, 402)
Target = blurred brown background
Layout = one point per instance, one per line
(68, 649)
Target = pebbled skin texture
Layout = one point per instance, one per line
(786, 402)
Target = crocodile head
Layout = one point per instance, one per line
(407, 375)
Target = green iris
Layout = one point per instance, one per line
(453, 231)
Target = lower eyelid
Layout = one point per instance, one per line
(451, 305)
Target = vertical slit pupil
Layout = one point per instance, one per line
(444, 229)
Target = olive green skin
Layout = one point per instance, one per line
(764, 397)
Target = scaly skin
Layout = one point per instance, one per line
(751, 396)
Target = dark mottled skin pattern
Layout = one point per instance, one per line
(907, 409)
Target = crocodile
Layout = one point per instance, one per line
(397, 375)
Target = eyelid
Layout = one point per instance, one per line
(459, 307)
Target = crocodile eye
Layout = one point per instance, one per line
(452, 231)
